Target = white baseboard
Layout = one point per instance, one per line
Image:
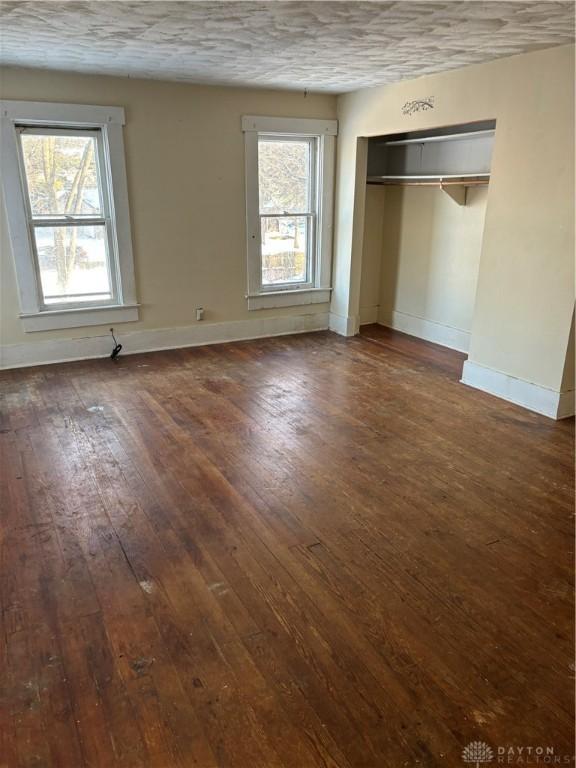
(548, 402)
(369, 315)
(64, 350)
(345, 326)
(566, 405)
(445, 335)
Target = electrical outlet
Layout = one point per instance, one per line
(199, 313)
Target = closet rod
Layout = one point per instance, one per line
(428, 176)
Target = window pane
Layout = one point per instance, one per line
(284, 176)
(285, 244)
(62, 174)
(73, 264)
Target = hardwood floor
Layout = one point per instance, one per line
(298, 552)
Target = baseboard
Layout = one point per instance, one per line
(566, 405)
(345, 326)
(445, 335)
(548, 402)
(369, 315)
(64, 350)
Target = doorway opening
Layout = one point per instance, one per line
(426, 199)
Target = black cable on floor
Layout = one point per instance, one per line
(117, 347)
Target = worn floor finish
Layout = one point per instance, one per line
(287, 553)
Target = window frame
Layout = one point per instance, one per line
(311, 214)
(106, 123)
(69, 220)
(317, 288)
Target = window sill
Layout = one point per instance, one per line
(288, 298)
(52, 319)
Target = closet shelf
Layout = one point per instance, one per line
(423, 139)
(462, 180)
(455, 186)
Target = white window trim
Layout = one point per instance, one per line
(325, 131)
(110, 121)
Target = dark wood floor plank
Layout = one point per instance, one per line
(299, 552)
(201, 523)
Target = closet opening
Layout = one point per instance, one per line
(426, 198)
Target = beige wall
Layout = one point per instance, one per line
(372, 244)
(570, 364)
(525, 294)
(185, 164)
(421, 254)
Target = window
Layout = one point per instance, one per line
(287, 176)
(68, 215)
(289, 182)
(65, 190)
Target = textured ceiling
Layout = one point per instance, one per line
(319, 46)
